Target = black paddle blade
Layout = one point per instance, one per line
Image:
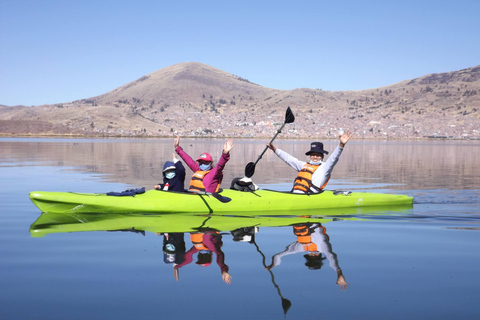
(289, 117)
(286, 304)
(249, 169)
(221, 198)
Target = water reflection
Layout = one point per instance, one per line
(205, 244)
(173, 248)
(206, 235)
(312, 238)
(247, 235)
(49, 223)
(400, 164)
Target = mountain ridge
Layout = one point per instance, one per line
(194, 99)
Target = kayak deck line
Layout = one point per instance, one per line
(158, 201)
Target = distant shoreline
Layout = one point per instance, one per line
(79, 136)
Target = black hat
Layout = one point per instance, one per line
(316, 147)
(314, 262)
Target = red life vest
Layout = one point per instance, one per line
(196, 184)
(303, 182)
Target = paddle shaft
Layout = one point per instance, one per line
(250, 167)
(285, 302)
(264, 150)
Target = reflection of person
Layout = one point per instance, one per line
(313, 239)
(313, 176)
(205, 244)
(173, 248)
(173, 176)
(206, 177)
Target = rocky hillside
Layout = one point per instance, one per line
(194, 99)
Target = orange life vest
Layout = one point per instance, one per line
(196, 184)
(304, 236)
(303, 181)
(197, 240)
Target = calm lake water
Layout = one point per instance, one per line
(409, 263)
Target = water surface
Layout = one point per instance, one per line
(416, 263)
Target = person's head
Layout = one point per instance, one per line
(173, 253)
(169, 170)
(314, 260)
(316, 152)
(204, 258)
(205, 161)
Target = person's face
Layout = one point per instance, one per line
(315, 156)
(166, 173)
(170, 174)
(200, 162)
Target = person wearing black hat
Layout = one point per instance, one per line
(313, 175)
(312, 238)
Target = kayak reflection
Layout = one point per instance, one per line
(200, 238)
(48, 223)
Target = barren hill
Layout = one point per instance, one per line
(196, 99)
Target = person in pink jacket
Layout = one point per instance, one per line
(206, 177)
(205, 244)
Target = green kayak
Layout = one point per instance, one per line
(228, 201)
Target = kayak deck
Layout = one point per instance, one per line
(154, 201)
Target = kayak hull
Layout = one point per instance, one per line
(266, 201)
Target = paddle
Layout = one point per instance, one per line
(286, 304)
(216, 195)
(250, 167)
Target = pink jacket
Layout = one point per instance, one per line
(214, 243)
(211, 179)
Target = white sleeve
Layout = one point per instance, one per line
(324, 246)
(321, 175)
(291, 249)
(290, 160)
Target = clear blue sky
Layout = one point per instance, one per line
(56, 51)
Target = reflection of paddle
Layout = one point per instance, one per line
(250, 167)
(286, 304)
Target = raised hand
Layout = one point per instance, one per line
(228, 146)
(176, 274)
(345, 137)
(226, 277)
(343, 284)
(271, 147)
(177, 142)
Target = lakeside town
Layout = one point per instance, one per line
(196, 100)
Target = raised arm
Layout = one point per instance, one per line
(192, 164)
